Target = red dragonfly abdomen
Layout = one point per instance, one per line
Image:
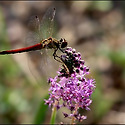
(26, 49)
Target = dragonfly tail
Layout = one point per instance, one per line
(26, 49)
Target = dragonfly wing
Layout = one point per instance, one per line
(33, 36)
(43, 63)
(41, 30)
(47, 29)
(34, 25)
(34, 61)
(34, 57)
(48, 64)
(47, 23)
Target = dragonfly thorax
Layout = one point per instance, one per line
(54, 43)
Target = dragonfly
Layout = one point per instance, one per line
(48, 43)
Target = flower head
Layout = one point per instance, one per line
(71, 89)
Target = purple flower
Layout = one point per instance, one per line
(70, 88)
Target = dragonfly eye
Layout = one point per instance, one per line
(61, 40)
(64, 44)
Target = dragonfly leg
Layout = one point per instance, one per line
(61, 50)
(57, 58)
(61, 61)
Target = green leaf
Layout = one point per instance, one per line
(41, 113)
(101, 104)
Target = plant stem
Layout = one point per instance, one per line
(53, 116)
(73, 118)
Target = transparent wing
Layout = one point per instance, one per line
(41, 29)
(47, 23)
(34, 57)
(42, 67)
(39, 64)
(47, 29)
(33, 37)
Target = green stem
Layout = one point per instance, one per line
(53, 116)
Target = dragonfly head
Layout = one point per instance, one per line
(63, 43)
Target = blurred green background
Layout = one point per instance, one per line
(94, 28)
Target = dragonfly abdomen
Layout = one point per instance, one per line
(26, 49)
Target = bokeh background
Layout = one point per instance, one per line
(94, 28)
